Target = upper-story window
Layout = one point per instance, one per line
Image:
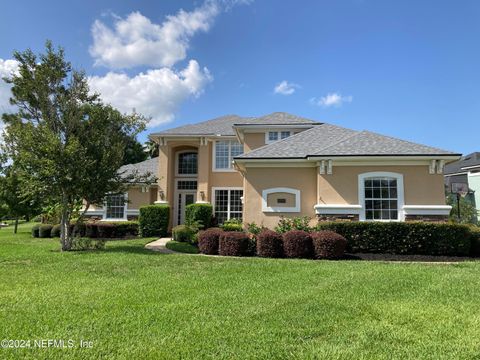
(273, 136)
(224, 153)
(187, 163)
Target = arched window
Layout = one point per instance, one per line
(381, 196)
(187, 163)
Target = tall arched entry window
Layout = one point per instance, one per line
(186, 170)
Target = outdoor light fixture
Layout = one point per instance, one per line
(202, 195)
(162, 195)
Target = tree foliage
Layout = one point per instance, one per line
(134, 151)
(468, 212)
(64, 142)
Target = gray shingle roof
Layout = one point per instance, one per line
(331, 140)
(224, 125)
(472, 159)
(143, 168)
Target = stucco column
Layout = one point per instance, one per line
(203, 171)
(163, 166)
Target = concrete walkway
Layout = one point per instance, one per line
(159, 245)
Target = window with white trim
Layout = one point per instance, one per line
(273, 136)
(115, 206)
(225, 151)
(228, 204)
(381, 198)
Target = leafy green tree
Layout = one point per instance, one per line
(151, 148)
(134, 151)
(63, 141)
(15, 203)
(468, 212)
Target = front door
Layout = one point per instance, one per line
(184, 198)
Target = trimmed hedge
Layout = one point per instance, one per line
(328, 244)
(105, 230)
(475, 241)
(183, 233)
(91, 230)
(208, 241)
(409, 238)
(35, 230)
(269, 244)
(153, 220)
(56, 231)
(45, 231)
(232, 225)
(297, 244)
(201, 213)
(233, 243)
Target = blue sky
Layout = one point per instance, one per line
(408, 69)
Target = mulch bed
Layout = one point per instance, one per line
(417, 258)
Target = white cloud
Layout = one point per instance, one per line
(136, 40)
(285, 88)
(7, 68)
(331, 99)
(156, 93)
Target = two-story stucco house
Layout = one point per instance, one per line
(260, 168)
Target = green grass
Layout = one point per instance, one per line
(181, 247)
(137, 304)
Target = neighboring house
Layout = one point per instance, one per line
(261, 168)
(464, 176)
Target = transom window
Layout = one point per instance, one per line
(381, 198)
(187, 163)
(225, 151)
(187, 185)
(273, 136)
(115, 206)
(228, 204)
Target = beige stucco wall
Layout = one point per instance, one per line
(259, 179)
(253, 141)
(341, 187)
(420, 187)
(137, 198)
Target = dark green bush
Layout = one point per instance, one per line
(201, 213)
(475, 239)
(91, 230)
(35, 230)
(183, 233)
(78, 229)
(232, 225)
(153, 220)
(45, 231)
(233, 243)
(410, 238)
(56, 231)
(269, 244)
(105, 230)
(80, 244)
(125, 228)
(328, 244)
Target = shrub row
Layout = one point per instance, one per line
(153, 220)
(410, 238)
(293, 244)
(102, 230)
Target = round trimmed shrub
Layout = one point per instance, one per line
(269, 244)
(233, 243)
(45, 231)
(183, 233)
(328, 244)
(297, 244)
(35, 230)
(56, 230)
(208, 241)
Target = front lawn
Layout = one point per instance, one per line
(136, 304)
